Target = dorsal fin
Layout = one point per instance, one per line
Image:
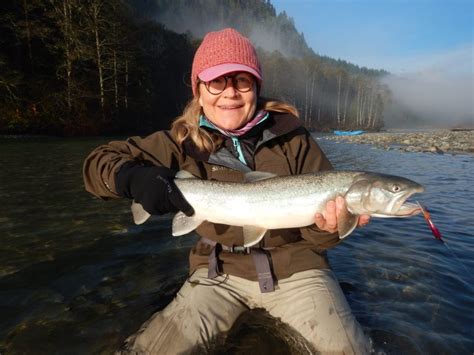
(183, 174)
(257, 175)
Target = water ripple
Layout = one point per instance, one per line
(69, 261)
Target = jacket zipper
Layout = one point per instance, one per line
(238, 149)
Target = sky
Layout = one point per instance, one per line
(426, 45)
(397, 35)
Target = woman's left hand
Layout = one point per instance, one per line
(327, 221)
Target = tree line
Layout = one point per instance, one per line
(86, 67)
(80, 67)
(327, 97)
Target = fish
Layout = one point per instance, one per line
(264, 201)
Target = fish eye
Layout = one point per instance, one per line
(396, 188)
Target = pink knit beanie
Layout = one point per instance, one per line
(223, 52)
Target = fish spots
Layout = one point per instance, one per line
(331, 310)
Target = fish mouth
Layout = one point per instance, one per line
(407, 209)
(399, 207)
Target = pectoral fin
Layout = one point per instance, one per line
(139, 214)
(183, 224)
(252, 235)
(346, 223)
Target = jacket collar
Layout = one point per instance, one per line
(277, 125)
(282, 123)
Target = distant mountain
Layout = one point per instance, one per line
(329, 93)
(257, 19)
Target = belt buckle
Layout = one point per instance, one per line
(240, 249)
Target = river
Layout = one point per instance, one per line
(77, 277)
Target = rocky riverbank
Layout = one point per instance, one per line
(442, 141)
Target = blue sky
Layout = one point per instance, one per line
(398, 35)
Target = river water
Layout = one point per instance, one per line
(77, 277)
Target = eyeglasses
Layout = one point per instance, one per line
(241, 82)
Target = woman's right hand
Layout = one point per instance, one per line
(153, 187)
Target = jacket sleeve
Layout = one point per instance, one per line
(311, 158)
(103, 163)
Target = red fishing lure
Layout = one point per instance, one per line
(435, 231)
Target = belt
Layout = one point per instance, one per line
(260, 257)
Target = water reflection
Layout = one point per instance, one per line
(78, 277)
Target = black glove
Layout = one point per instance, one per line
(151, 186)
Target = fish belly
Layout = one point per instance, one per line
(272, 204)
(242, 210)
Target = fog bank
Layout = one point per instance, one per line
(440, 94)
(260, 35)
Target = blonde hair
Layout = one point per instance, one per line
(187, 125)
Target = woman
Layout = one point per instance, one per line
(225, 131)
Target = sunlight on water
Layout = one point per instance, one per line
(76, 276)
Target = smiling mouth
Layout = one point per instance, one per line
(233, 107)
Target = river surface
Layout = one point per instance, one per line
(77, 277)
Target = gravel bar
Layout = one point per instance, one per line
(440, 141)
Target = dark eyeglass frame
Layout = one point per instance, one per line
(227, 77)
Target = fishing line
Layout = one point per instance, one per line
(456, 257)
(437, 234)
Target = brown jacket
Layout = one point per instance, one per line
(285, 148)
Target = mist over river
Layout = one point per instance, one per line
(77, 276)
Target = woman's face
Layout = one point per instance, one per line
(230, 109)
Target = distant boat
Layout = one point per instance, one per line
(348, 133)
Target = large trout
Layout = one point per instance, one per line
(265, 201)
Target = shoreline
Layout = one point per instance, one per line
(426, 141)
(438, 142)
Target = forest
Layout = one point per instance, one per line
(90, 67)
